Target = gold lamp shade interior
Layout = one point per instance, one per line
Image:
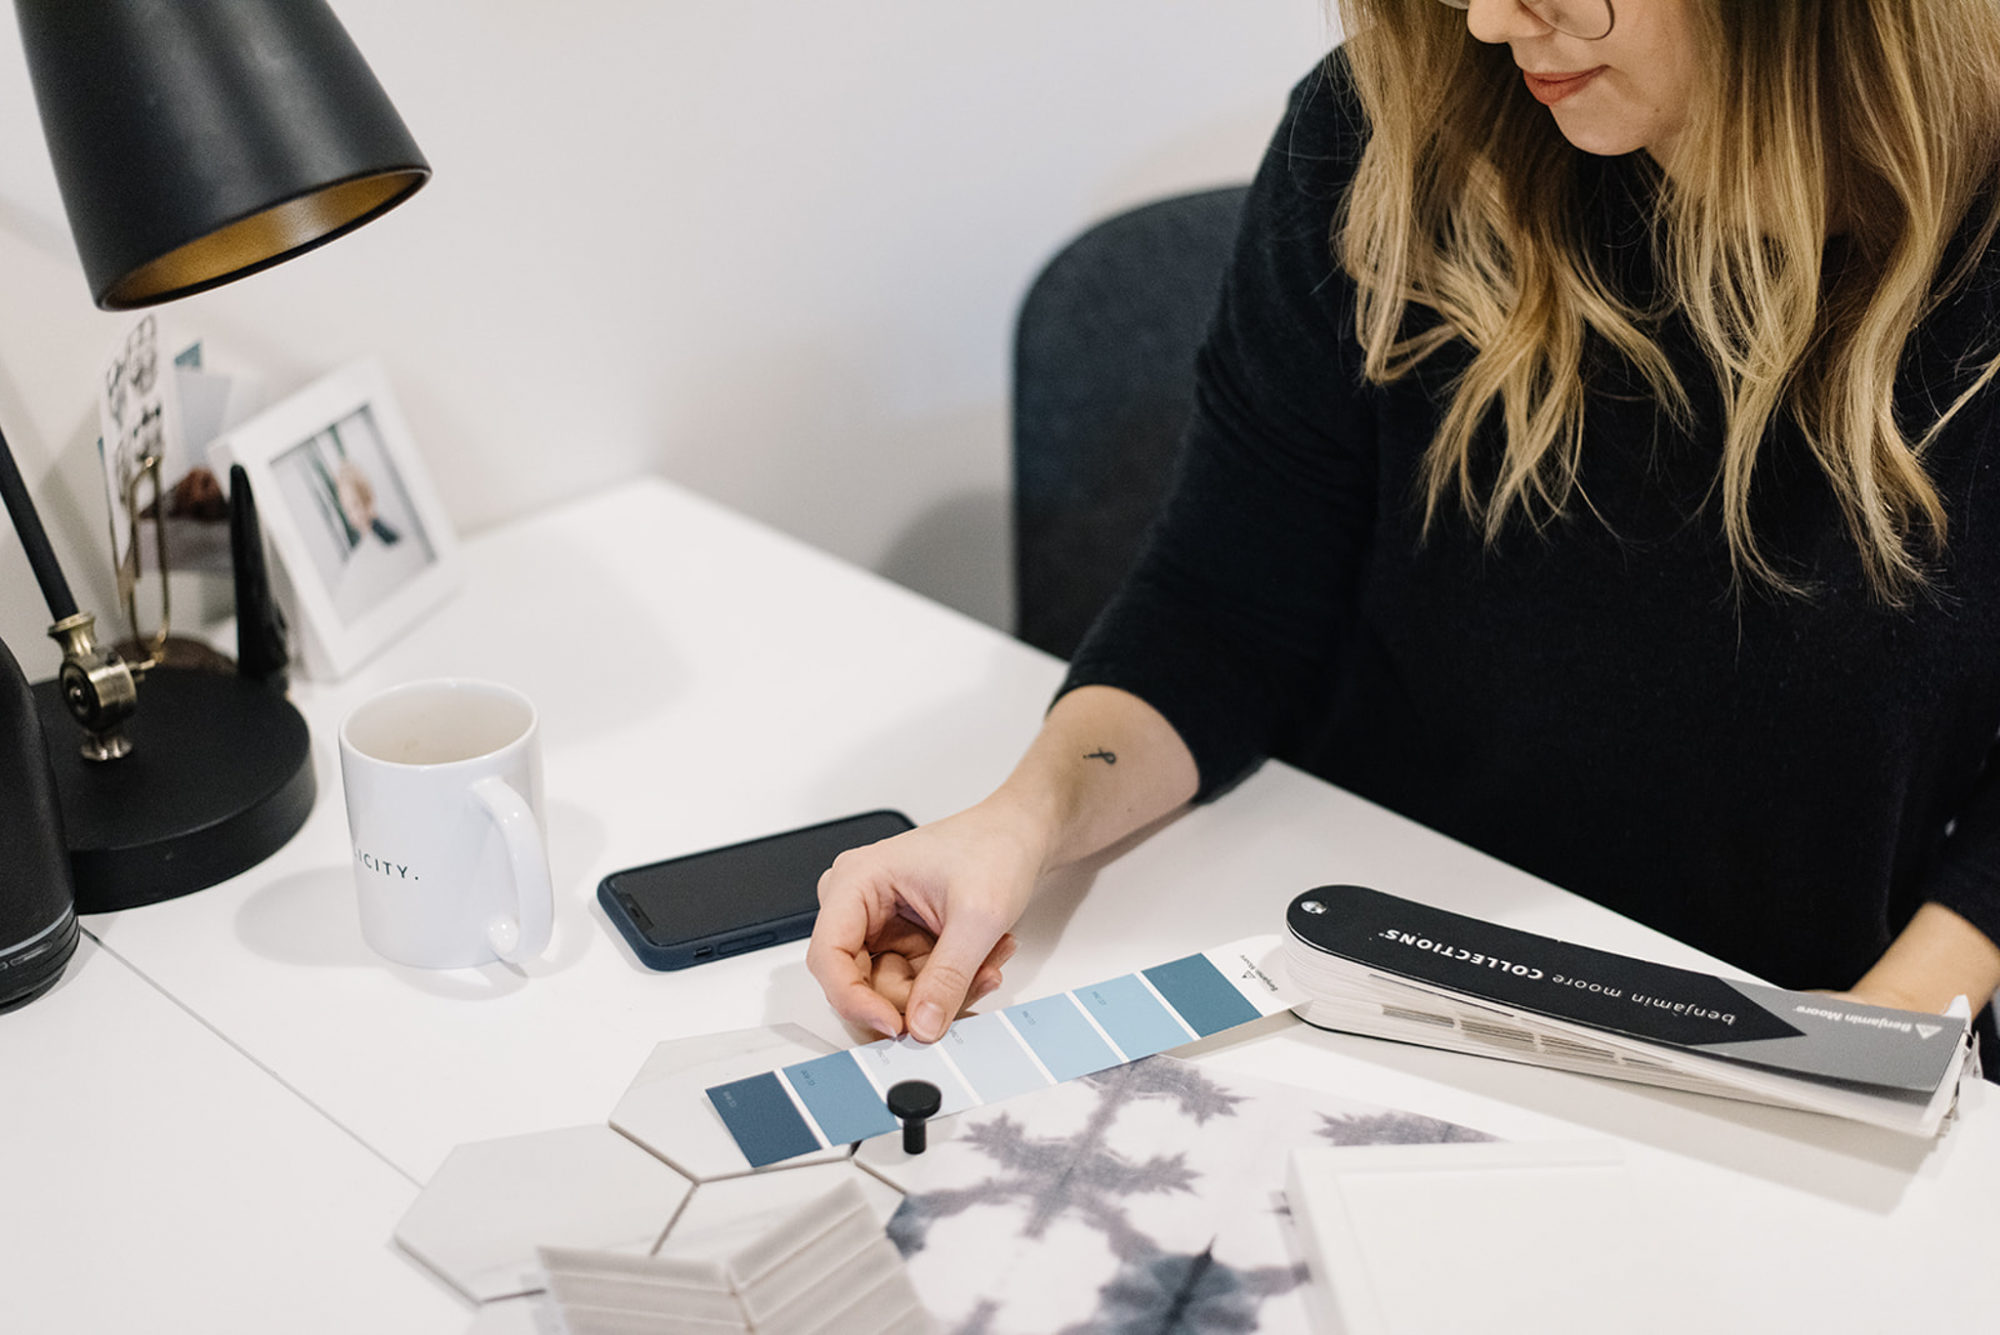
(262, 239)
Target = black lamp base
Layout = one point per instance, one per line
(219, 777)
(27, 971)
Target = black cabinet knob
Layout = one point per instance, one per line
(913, 1103)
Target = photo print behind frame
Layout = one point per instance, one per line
(137, 414)
(163, 396)
(354, 514)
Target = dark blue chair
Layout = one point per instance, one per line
(1103, 384)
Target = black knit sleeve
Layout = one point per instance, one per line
(1967, 879)
(1232, 620)
(1954, 344)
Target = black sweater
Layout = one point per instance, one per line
(1778, 781)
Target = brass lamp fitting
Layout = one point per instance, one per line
(97, 686)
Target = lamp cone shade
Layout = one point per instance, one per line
(197, 141)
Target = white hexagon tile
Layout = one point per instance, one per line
(665, 1184)
(667, 1108)
(490, 1204)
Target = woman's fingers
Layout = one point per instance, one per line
(839, 957)
(914, 928)
(944, 984)
(891, 979)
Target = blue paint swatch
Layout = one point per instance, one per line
(765, 1123)
(902, 1059)
(840, 1098)
(990, 1058)
(1209, 1002)
(837, 1099)
(1136, 1021)
(1061, 1037)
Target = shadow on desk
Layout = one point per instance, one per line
(1828, 1157)
(309, 918)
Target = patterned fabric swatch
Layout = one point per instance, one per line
(1146, 1198)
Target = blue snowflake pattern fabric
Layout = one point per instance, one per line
(1147, 1198)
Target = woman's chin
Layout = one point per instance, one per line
(1592, 134)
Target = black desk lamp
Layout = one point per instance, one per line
(195, 141)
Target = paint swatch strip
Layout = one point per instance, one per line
(840, 1098)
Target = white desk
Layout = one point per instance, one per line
(213, 1124)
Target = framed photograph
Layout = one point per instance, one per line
(365, 547)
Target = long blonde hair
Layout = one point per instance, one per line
(1466, 204)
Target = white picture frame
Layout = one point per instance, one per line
(364, 545)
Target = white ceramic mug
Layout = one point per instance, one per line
(444, 802)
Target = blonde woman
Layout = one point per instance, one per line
(1594, 459)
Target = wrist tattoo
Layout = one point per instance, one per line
(1108, 757)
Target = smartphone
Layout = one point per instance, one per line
(709, 906)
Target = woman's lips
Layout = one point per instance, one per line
(1549, 89)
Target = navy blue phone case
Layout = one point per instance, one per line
(642, 934)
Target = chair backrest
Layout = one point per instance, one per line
(1103, 383)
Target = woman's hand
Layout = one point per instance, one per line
(917, 925)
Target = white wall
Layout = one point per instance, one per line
(769, 248)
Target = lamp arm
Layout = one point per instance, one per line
(34, 539)
(97, 685)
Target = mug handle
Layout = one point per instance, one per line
(524, 935)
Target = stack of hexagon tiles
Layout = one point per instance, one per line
(666, 1181)
(826, 1269)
